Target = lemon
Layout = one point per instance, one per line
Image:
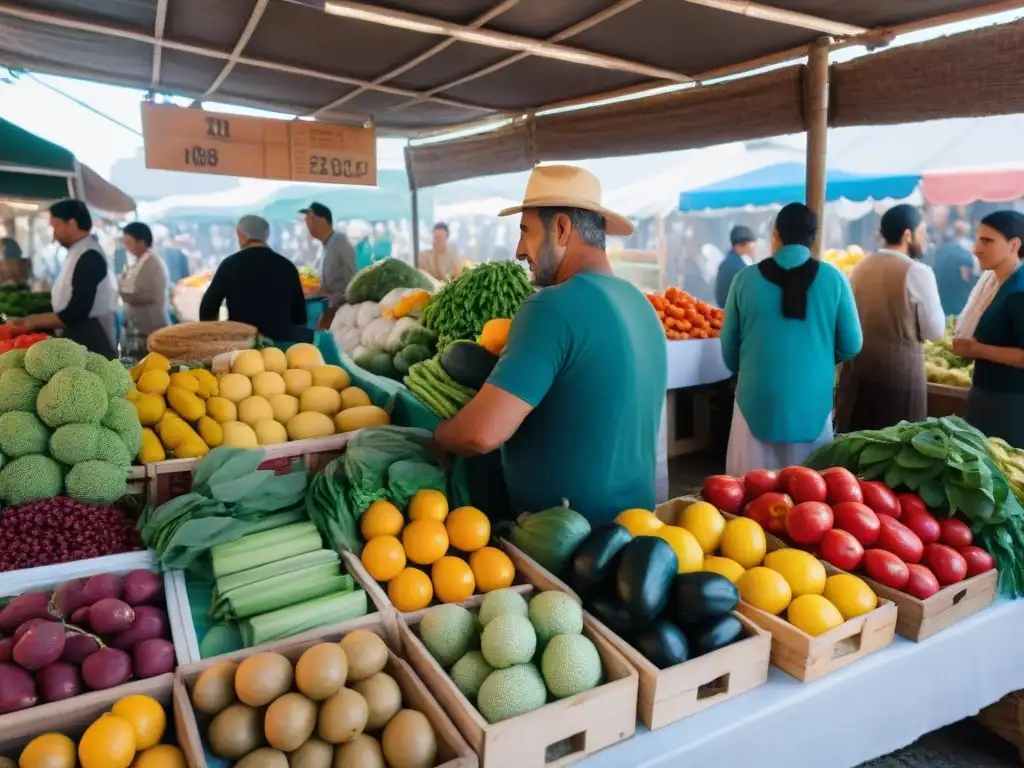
(297, 381)
(765, 589)
(267, 384)
(706, 523)
(153, 382)
(381, 518)
(305, 356)
(51, 750)
(850, 594)
(285, 407)
(270, 432)
(685, 545)
(332, 376)
(428, 504)
(320, 399)
(221, 410)
(804, 573)
(639, 522)
(352, 397)
(311, 424)
(274, 360)
(814, 615)
(235, 387)
(253, 409)
(723, 566)
(743, 540)
(239, 435)
(248, 363)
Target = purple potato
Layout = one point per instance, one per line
(31, 605)
(106, 668)
(153, 657)
(59, 681)
(26, 627)
(149, 623)
(77, 648)
(69, 597)
(109, 616)
(101, 586)
(17, 689)
(80, 618)
(143, 588)
(6, 648)
(40, 646)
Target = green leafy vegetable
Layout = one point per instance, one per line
(374, 282)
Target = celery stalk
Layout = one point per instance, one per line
(276, 520)
(295, 619)
(243, 560)
(263, 538)
(282, 591)
(276, 568)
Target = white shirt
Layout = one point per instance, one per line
(923, 292)
(105, 302)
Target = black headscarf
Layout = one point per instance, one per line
(1009, 224)
(795, 284)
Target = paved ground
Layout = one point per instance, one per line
(961, 745)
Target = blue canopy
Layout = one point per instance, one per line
(785, 183)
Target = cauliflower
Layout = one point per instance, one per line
(112, 450)
(72, 396)
(95, 482)
(348, 339)
(345, 317)
(31, 477)
(375, 335)
(13, 358)
(366, 313)
(44, 359)
(74, 443)
(22, 433)
(18, 391)
(122, 418)
(115, 377)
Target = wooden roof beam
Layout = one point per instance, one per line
(791, 18)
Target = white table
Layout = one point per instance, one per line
(880, 704)
(695, 363)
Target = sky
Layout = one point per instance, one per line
(36, 104)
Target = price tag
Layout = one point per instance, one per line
(336, 154)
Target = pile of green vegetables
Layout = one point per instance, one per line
(19, 301)
(439, 392)
(461, 308)
(948, 463)
(376, 281)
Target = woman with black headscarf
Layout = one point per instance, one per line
(990, 330)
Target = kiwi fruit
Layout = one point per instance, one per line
(366, 652)
(383, 698)
(263, 758)
(321, 671)
(342, 717)
(313, 754)
(362, 752)
(214, 691)
(263, 677)
(409, 741)
(236, 732)
(289, 721)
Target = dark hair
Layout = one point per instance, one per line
(73, 210)
(898, 220)
(140, 232)
(797, 225)
(740, 235)
(588, 224)
(443, 226)
(1010, 224)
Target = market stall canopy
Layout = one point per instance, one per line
(34, 169)
(784, 183)
(963, 186)
(427, 64)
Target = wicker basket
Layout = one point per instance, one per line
(201, 341)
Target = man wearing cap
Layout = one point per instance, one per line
(575, 400)
(338, 264)
(261, 287)
(744, 246)
(441, 260)
(899, 307)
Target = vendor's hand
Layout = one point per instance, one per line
(965, 347)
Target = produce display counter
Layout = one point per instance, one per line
(880, 704)
(945, 400)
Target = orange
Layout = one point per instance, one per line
(639, 522)
(425, 541)
(410, 590)
(492, 569)
(453, 579)
(161, 756)
(383, 557)
(107, 743)
(428, 504)
(146, 716)
(381, 519)
(51, 750)
(685, 545)
(468, 529)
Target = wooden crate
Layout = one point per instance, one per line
(944, 400)
(558, 734)
(452, 749)
(172, 478)
(1005, 719)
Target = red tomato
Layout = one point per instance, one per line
(759, 482)
(978, 560)
(886, 568)
(840, 548)
(948, 565)
(859, 520)
(878, 496)
(806, 523)
(803, 484)
(895, 537)
(725, 492)
(915, 515)
(955, 533)
(922, 583)
(842, 485)
(769, 511)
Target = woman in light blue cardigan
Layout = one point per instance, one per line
(788, 322)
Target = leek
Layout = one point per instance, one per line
(276, 568)
(263, 538)
(295, 619)
(263, 548)
(282, 591)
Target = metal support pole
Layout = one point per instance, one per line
(816, 122)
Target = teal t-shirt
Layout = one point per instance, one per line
(589, 355)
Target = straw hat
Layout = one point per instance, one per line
(566, 186)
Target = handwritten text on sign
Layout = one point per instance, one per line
(197, 141)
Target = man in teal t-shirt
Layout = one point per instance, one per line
(575, 400)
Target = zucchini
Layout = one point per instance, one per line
(594, 561)
(714, 634)
(643, 579)
(613, 614)
(468, 363)
(662, 643)
(550, 537)
(699, 596)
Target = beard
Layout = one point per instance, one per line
(548, 260)
(914, 250)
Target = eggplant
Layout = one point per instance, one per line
(594, 561)
(662, 643)
(610, 612)
(644, 577)
(700, 596)
(713, 634)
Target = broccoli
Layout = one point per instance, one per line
(115, 377)
(72, 396)
(74, 443)
(373, 283)
(96, 482)
(112, 450)
(12, 358)
(18, 391)
(22, 433)
(122, 418)
(44, 359)
(31, 477)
